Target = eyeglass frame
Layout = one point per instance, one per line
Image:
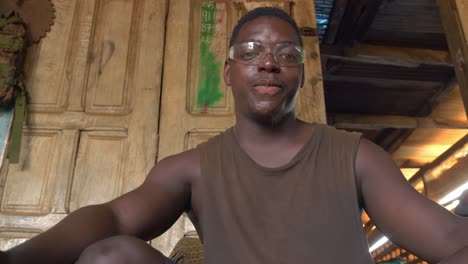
(268, 49)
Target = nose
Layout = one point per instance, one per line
(268, 63)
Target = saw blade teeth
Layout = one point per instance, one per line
(37, 15)
(6, 7)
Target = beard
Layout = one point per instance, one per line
(274, 117)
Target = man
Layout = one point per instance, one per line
(272, 189)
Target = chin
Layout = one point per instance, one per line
(272, 118)
(272, 114)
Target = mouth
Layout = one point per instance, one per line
(267, 90)
(267, 87)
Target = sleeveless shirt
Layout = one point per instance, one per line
(305, 211)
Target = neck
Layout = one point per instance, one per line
(248, 130)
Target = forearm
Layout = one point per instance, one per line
(460, 257)
(64, 242)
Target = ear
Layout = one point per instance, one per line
(226, 75)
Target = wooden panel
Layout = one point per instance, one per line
(122, 106)
(79, 43)
(248, 5)
(100, 168)
(311, 102)
(61, 183)
(210, 26)
(34, 176)
(197, 136)
(46, 64)
(175, 119)
(143, 122)
(11, 238)
(113, 50)
(178, 116)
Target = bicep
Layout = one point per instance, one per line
(408, 218)
(149, 210)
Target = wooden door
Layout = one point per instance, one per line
(196, 104)
(91, 134)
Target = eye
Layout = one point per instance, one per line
(289, 54)
(248, 54)
(289, 57)
(248, 51)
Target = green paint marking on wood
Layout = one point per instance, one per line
(209, 73)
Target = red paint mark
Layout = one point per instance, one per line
(205, 107)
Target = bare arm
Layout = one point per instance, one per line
(460, 257)
(64, 242)
(406, 217)
(145, 212)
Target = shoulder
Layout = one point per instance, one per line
(374, 165)
(339, 133)
(216, 140)
(369, 153)
(185, 166)
(340, 141)
(182, 161)
(176, 170)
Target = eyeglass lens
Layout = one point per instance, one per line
(251, 53)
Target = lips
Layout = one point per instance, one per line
(267, 90)
(267, 87)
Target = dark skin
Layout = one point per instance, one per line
(266, 123)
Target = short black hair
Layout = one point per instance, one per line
(264, 12)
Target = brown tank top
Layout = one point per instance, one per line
(305, 211)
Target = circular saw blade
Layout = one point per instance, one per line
(38, 16)
(6, 6)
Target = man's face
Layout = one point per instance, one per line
(266, 91)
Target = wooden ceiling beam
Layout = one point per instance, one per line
(334, 21)
(454, 16)
(375, 122)
(356, 21)
(377, 60)
(382, 83)
(448, 154)
(409, 163)
(388, 55)
(374, 235)
(439, 184)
